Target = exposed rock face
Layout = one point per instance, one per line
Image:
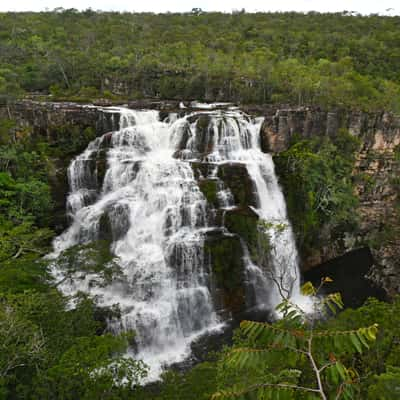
(379, 194)
(45, 117)
(376, 172)
(236, 177)
(354, 265)
(225, 254)
(380, 131)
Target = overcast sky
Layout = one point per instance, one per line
(391, 7)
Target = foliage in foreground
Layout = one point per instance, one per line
(50, 352)
(377, 367)
(47, 350)
(294, 358)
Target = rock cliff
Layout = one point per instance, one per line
(377, 181)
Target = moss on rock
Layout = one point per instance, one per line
(226, 259)
(201, 169)
(243, 222)
(237, 179)
(317, 178)
(209, 188)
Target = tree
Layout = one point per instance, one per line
(197, 11)
(21, 341)
(316, 175)
(295, 358)
(93, 368)
(385, 354)
(280, 267)
(386, 385)
(49, 350)
(23, 239)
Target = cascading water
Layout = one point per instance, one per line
(158, 220)
(154, 199)
(234, 137)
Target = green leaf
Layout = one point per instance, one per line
(356, 342)
(308, 289)
(341, 370)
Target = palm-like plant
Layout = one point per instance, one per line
(295, 358)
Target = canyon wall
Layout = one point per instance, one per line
(376, 176)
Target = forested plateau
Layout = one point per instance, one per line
(322, 59)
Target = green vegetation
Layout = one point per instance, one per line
(226, 257)
(316, 175)
(209, 188)
(91, 258)
(294, 358)
(25, 197)
(70, 140)
(48, 350)
(372, 373)
(324, 59)
(243, 222)
(237, 179)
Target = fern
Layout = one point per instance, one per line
(294, 344)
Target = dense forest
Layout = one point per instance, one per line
(50, 350)
(323, 59)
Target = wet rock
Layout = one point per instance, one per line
(101, 167)
(349, 273)
(237, 179)
(105, 227)
(226, 260)
(202, 169)
(209, 188)
(376, 171)
(243, 222)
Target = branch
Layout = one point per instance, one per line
(18, 253)
(265, 385)
(315, 368)
(339, 391)
(326, 366)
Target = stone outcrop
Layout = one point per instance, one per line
(376, 175)
(45, 118)
(60, 124)
(378, 131)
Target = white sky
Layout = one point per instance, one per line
(389, 7)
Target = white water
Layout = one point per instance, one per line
(236, 138)
(164, 295)
(158, 219)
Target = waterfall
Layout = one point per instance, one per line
(158, 220)
(236, 138)
(154, 200)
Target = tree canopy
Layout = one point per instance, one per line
(337, 59)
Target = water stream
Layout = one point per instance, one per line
(158, 220)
